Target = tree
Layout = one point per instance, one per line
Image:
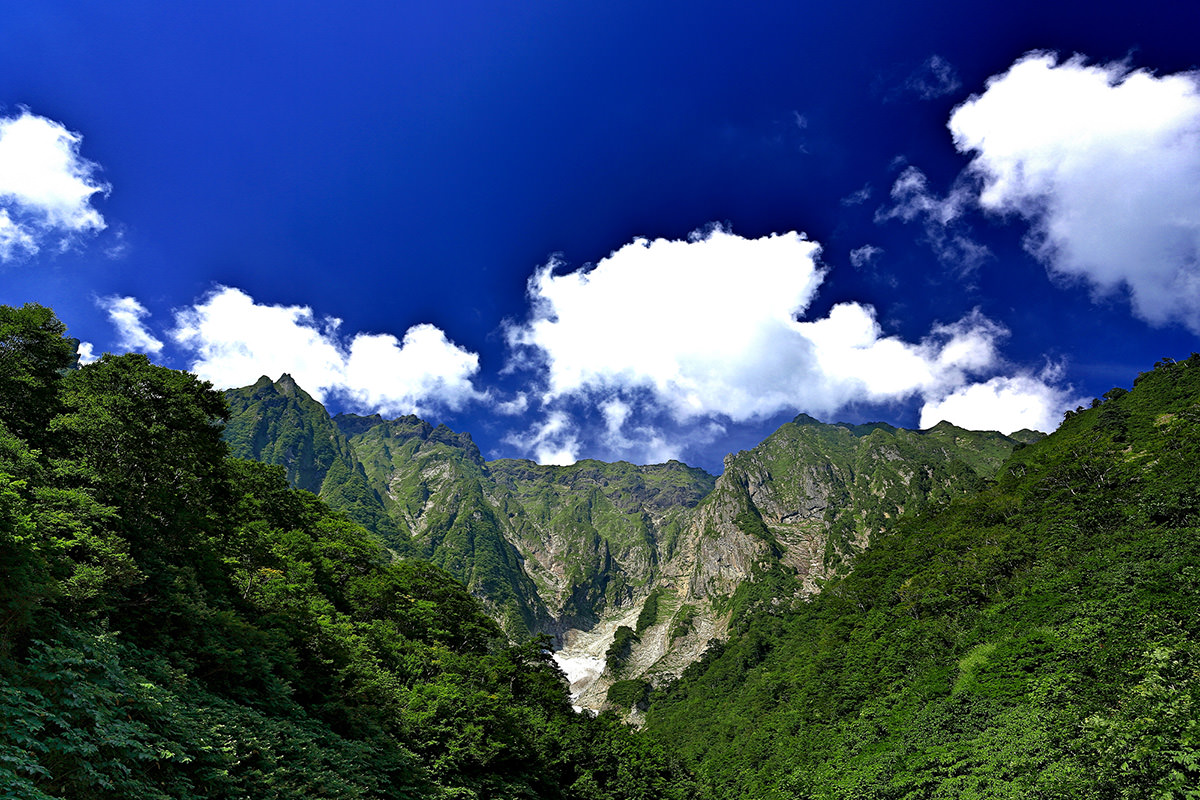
(33, 357)
(148, 439)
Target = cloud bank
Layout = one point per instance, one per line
(46, 187)
(1104, 163)
(1005, 404)
(234, 341)
(713, 328)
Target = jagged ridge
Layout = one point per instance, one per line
(576, 551)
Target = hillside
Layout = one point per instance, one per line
(1037, 638)
(585, 551)
(181, 624)
(176, 623)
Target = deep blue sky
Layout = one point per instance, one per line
(391, 164)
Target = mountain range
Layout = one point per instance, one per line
(635, 570)
(846, 617)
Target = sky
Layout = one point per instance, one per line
(622, 230)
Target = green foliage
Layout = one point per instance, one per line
(34, 354)
(619, 651)
(178, 624)
(279, 423)
(681, 624)
(625, 695)
(146, 439)
(648, 616)
(1035, 639)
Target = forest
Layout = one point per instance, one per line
(177, 623)
(1039, 638)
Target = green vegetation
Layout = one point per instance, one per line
(864, 477)
(625, 695)
(1038, 638)
(682, 624)
(175, 623)
(648, 616)
(279, 423)
(619, 651)
(428, 493)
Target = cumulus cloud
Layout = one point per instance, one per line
(401, 376)
(1004, 404)
(518, 405)
(87, 353)
(677, 317)
(46, 187)
(712, 327)
(126, 315)
(643, 442)
(914, 201)
(1104, 163)
(235, 340)
(553, 440)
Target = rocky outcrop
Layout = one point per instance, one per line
(801, 504)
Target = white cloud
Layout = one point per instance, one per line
(1004, 404)
(859, 197)
(126, 314)
(511, 408)
(554, 440)
(87, 353)
(862, 256)
(935, 78)
(1104, 163)
(397, 377)
(46, 187)
(15, 240)
(708, 327)
(236, 340)
(640, 442)
(914, 201)
(678, 317)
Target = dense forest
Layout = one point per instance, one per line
(175, 623)
(1037, 639)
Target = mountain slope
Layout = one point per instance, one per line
(279, 423)
(787, 515)
(180, 624)
(584, 550)
(1038, 638)
(434, 486)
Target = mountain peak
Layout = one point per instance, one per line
(286, 384)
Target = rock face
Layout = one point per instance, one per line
(584, 551)
(799, 505)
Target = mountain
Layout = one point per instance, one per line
(433, 485)
(783, 518)
(177, 623)
(589, 551)
(182, 624)
(279, 423)
(1039, 637)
